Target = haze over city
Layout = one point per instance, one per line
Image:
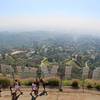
(80, 16)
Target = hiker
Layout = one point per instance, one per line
(37, 83)
(14, 95)
(43, 83)
(34, 88)
(17, 86)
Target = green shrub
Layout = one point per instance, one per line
(27, 82)
(4, 82)
(52, 82)
(67, 83)
(75, 84)
(97, 87)
(89, 86)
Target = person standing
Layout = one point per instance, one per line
(34, 88)
(43, 83)
(37, 83)
(17, 86)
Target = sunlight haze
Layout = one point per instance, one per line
(51, 15)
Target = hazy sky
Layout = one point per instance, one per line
(73, 15)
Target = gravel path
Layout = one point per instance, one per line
(54, 95)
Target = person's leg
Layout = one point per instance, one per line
(46, 93)
(0, 93)
(32, 91)
(44, 86)
(43, 93)
(16, 90)
(17, 96)
(20, 91)
(33, 97)
(35, 92)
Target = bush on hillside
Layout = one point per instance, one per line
(27, 82)
(53, 82)
(97, 86)
(75, 84)
(67, 83)
(4, 82)
(89, 84)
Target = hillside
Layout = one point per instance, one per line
(55, 46)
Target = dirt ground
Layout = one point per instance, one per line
(55, 95)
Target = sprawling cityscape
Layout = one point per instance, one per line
(49, 49)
